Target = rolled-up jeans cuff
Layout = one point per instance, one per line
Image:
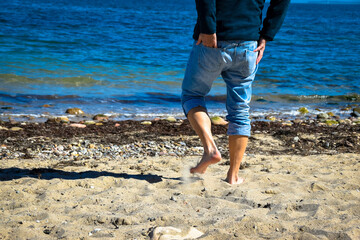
(192, 103)
(237, 129)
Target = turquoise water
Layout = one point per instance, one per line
(128, 58)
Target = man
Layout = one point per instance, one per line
(228, 42)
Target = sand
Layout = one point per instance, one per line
(283, 197)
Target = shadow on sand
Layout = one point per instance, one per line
(50, 173)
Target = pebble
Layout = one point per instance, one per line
(218, 121)
(322, 116)
(100, 117)
(303, 110)
(16, 129)
(356, 112)
(74, 111)
(3, 128)
(146, 123)
(171, 119)
(77, 125)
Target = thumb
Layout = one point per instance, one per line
(199, 41)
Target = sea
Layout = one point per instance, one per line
(127, 59)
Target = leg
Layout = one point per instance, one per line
(239, 80)
(237, 146)
(203, 68)
(201, 123)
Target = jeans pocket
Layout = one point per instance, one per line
(247, 62)
(209, 58)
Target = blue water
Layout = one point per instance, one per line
(129, 57)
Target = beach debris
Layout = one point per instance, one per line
(77, 125)
(46, 105)
(74, 111)
(218, 120)
(16, 129)
(3, 128)
(100, 117)
(99, 124)
(322, 116)
(7, 108)
(171, 119)
(270, 191)
(296, 139)
(170, 233)
(146, 123)
(356, 112)
(303, 110)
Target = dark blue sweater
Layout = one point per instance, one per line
(239, 19)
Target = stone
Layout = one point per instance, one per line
(303, 110)
(60, 119)
(78, 125)
(330, 114)
(218, 121)
(331, 122)
(171, 119)
(99, 124)
(74, 111)
(46, 106)
(356, 112)
(3, 128)
(89, 122)
(16, 129)
(167, 233)
(146, 123)
(322, 116)
(100, 117)
(271, 118)
(346, 109)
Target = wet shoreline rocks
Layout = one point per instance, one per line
(65, 140)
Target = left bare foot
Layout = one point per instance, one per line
(206, 160)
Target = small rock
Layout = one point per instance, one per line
(303, 110)
(331, 122)
(16, 129)
(146, 123)
(356, 112)
(117, 125)
(171, 119)
(271, 118)
(3, 128)
(296, 139)
(322, 116)
(46, 106)
(7, 108)
(89, 122)
(330, 114)
(78, 125)
(346, 109)
(218, 121)
(74, 111)
(99, 124)
(100, 117)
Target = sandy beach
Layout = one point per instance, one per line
(289, 192)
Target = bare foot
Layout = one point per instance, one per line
(235, 181)
(233, 178)
(206, 160)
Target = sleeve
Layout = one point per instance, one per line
(206, 10)
(275, 16)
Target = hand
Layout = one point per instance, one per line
(260, 49)
(208, 40)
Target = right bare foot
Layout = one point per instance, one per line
(206, 160)
(235, 181)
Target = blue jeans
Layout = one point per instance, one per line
(235, 61)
